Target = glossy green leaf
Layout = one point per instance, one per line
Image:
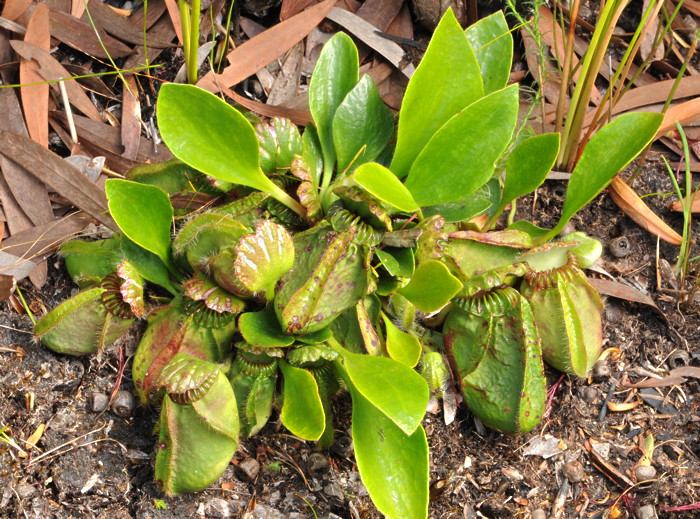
(88, 262)
(149, 266)
(400, 345)
(397, 261)
(606, 154)
(450, 63)
(393, 465)
(143, 213)
(264, 257)
(335, 74)
(383, 184)
(431, 287)
(492, 44)
(362, 125)
(482, 201)
(528, 165)
(302, 408)
(313, 156)
(262, 329)
(394, 388)
(210, 135)
(461, 156)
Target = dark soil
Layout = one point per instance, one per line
(89, 464)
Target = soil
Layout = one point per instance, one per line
(582, 461)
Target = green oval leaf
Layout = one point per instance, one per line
(401, 346)
(431, 287)
(492, 43)
(334, 75)
(143, 213)
(210, 135)
(528, 165)
(362, 125)
(302, 408)
(395, 389)
(384, 185)
(606, 154)
(392, 464)
(461, 156)
(450, 63)
(262, 329)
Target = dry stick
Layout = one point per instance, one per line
(69, 111)
(39, 458)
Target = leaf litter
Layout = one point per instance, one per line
(45, 200)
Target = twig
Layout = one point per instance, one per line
(39, 458)
(69, 112)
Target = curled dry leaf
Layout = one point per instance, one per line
(633, 206)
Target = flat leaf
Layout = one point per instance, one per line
(431, 287)
(447, 80)
(149, 265)
(397, 261)
(143, 213)
(362, 125)
(492, 43)
(401, 346)
(383, 184)
(481, 201)
(606, 154)
(262, 329)
(264, 257)
(392, 464)
(302, 408)
(334, 75)
(528, 165)
(461, 156)
(210, 135)
(399, 392)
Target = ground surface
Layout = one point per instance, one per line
(102, 463)
(580, 462)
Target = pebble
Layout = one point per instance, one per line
(333, 490)
(601, 370)
(24, 490)
(538, 514)
(646, 512)
(619, 247)
(588, 394)
(342, 445)
(573, 471)
(98, 402)
(217, 507)
(123, 404)
(250, 468)
(317, 463)
(644, 473)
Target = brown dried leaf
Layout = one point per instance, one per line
(380, 13)
(694, 207)
(35, 98)
(13, 9)
(80, 35)
(621, 291)
(118, 27)
(287, 83)
(56, 173)
(258, 52)
(293, 7)
(131, 118)
(174, 14)
(29, 194)
(50, 70)
(299, 117)
(633, 206)
(40, 241)
(683, 113)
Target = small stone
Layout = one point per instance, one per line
(588, 394)
(333, 490)
(644, 473)
(646, 512)
(24, 490)
(601, 370)
(573, 471)
(217, 507)
(317, 463)
(98, 402)
(250, 468)
(538, 514)
(123, 404)
(342, 445)
(619, 247)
